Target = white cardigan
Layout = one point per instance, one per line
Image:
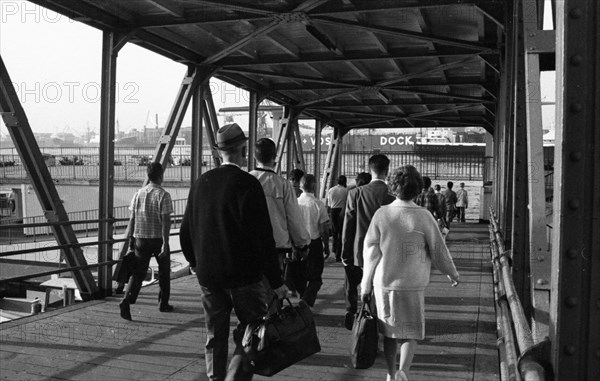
(402, 242)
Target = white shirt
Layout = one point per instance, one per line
(336, 196)
(314, 212)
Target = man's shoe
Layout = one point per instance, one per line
(167, 308)
(125, 312)
(349, 320)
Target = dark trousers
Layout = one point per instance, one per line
(353, 278)
(449, 216)
(314, 271)
(145, 248)
(249, 303)
(295, 275)
(337, 222)
(460, 212)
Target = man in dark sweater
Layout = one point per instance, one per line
(226, 235)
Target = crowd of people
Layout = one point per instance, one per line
(254, 237)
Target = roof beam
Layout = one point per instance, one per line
(323, 38)
(273, 24)
(283, 76)
(309, 5)
(489, 16)
(348, 56)
(283, 44)
(408, 120)
(395, 80)
(168, 7)
(413, 84)
(358, 71)
(445, 95)
(402, 32)
(236, 7)
(352, 105)
(392, 5)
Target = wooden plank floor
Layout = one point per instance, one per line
(89, 341)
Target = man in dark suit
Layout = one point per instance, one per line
(226, 235)
(361, 205)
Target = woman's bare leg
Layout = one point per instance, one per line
(407, 352)
(390, 348)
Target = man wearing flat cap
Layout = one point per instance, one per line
(226, 235)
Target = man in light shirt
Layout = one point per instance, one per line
(336, 201)
(289, 230)
(150, 224)
(317, 224)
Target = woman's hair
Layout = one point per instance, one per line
(406, 182)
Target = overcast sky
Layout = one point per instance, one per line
(55, 64)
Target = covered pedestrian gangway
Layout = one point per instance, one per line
(387, 64)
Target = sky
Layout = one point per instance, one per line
(55, 65)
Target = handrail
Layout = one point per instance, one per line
(508, 352)
(530, 369)
(71, 245)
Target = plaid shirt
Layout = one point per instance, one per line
(148, 206)
(429, 200)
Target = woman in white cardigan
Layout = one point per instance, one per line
(402, 243)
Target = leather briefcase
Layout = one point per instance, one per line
(281, 339)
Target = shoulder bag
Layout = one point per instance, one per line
(281, 339)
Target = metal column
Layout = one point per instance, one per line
(252, 128)
(575, 296)
(20, 131)
(210, 128)
(290, 143)
(112, 42)
(285, 140)
(520, 231)
(332, 162)
(317, 153)
(194, 78)
(536, 42)
(197, 143)
(298, 151)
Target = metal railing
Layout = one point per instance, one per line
(130, 164)
(524, 363)
(81, 226)
(84, 223)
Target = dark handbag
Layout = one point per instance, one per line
(126, 268)
(363, 348)
(279, 340)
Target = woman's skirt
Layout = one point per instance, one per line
(400, 314)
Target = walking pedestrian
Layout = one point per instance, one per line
(317, 224)
(450, 203)
(336, 201)
(226, 235)
(361, 205)
(462, 202)
(289, 230)
(149, 226)
(402, 243)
